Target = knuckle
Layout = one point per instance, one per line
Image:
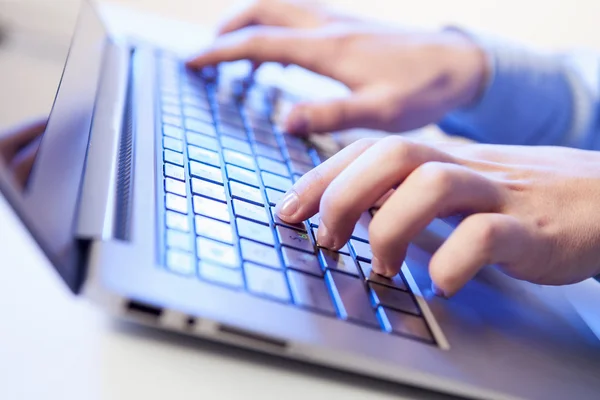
(400, 148)
(436, 177)
(486, 231)
(365, 143)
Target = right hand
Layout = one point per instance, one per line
(400, 80)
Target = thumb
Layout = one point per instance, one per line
(358, 110)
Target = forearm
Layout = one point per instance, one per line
(533, 98)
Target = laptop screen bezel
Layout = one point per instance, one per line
(48, 206)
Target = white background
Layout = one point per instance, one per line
(53, 346)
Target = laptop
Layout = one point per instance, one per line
(152, 195)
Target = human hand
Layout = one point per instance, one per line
(18, 147)
(533, 213)
(400, 80)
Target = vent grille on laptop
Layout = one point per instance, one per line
(124, 189)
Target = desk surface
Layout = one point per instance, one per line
(55, 346)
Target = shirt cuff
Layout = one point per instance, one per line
(527, 99)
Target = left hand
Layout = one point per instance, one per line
(19, 146)
(533, 212)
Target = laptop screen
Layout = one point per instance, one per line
(50, 55)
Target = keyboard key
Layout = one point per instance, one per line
(213, 229)
(362, 250)
(206, 171)
(296, 239)
(266, 282)
(405, 324)
(371, 276)
(173, 157)
(172, 131)
(233, 131)
(361, 230)
(301, 261)
(211, 208)
(314, 220)
(202, 127)
(202, 114)
(204, 156)
(176, 203)
(279, 221)
(221, 275)
(230, 116)
(218, 253)
(180, 262)
(393, 298)
(208, 189)
(351, 298)
(310, 292)
(250, 211)
(245, 192)
(296, 177)
(177, 221)
(259, 253)
(172, 120)
(276, 181)
(257, 232)
(268, 151)
(204, 141)
(299, 168)
(242, 175)
(292, 141)
(170, 100)
(266, 164)
(179, 240)
(174, 171)
(176, 187)
(173, 144)
(239, 159)
(339, 262)
(265, 138)
(235, 144)
(171, 109)
(300, 155)
(194, 100)
(273, 196)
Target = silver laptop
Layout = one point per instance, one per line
(152, 194)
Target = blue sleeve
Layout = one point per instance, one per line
(533, 98)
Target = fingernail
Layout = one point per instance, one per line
(377, 266)
(437, 291)
(288, 204)
(323, 238)
(298, 122)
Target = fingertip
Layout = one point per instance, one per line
(298, 121)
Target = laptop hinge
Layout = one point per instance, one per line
(98, 204)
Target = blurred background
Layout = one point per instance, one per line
(32, 32)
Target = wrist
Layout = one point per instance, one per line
(470, 67)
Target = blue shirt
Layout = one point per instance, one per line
(533, 98)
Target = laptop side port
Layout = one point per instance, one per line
(143, 310)
(242, 336)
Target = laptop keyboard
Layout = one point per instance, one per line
(224, 167)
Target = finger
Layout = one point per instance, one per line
(22, 163)
(357, 110)
(480, 240)
(430, 191)
(16, 138)
(240, 18)
(302, 200)
(278, 13)
(358, 187)
(263, 44)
